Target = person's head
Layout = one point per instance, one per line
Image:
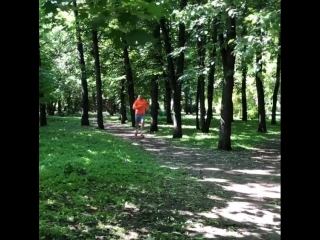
(140, 96)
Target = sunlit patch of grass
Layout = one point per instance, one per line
(89, 179)
(244, 133)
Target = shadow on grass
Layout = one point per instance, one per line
(98, 187)
(248, 181)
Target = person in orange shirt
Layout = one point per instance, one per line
(140, 106)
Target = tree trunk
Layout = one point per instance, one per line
(201, 66)
(228, 60)
(84, 83)
(43, 114)
(262, 127)
(154, 81)
(50, 108)
(59, 107)
(123, 111)
(197, 106)
(177, 129)
(168, 101)
(177, 82)
(98, 78)
(277, 85)
(244, 91)
(187, 107)
(130, 82)
(94, 101)
(212, 71)
(171, 72)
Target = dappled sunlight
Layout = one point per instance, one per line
(257, 172)
(86, 160)
(200, 136)
(255, 190)
(131, 206)
(172, 168)
(213, 180)
(120, 232)
(92, 152)
(185, 213)
(171, 126)
(245, 212)
(212, 169)
(215, 195)
(210, 232)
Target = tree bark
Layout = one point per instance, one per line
(98, 78)
(177, 120)
(123, 111)
(211, 76)
(43, 114)
(84, 83)
(130, 82)
(244, 92)
(197, 106)
(201, 65)
(168, 100)
(228, 60)
(155, 79)
(171, 71)
(262, 126)
(277, 85)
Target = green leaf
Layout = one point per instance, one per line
(83, 15)
(231, 41)
(125, 18)
(139, 37)
(100, 21)
(155, 10)
(115, 35)
(49, 7)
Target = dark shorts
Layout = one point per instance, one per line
(139, 118)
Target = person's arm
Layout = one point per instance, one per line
(134, 105)
(146, 105)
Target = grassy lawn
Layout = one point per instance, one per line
(92, 183)
(244, 134)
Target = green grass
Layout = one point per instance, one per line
(90, 182)
(93, 184)
(244, 134)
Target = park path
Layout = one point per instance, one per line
(248, 183)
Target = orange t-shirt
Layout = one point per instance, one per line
(141, 106)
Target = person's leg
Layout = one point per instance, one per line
(142, 123)
(137, 119)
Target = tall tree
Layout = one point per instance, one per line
(171, 71)
(94, 33)
(123, 111)
(155, 79)
(177, 81)
(244, 71)
(43, 114)
(130, 81)
(167, 98)
(277, 84)
(211, 76)
(227, 46)
(262, 126)
(201, 42)
(84, 83)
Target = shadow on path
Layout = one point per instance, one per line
(247, 182)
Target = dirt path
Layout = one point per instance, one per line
(240, 188)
